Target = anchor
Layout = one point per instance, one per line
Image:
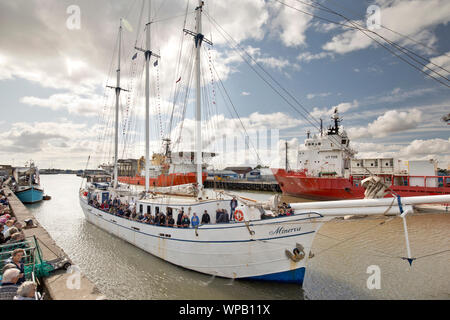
(297, 254)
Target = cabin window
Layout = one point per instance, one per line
(141, 208)
(156, 210)
(149, 210)
(169, 211)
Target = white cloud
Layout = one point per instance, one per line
(321, 95)
(89, 105)
(393, 15)
(442, 61)
(437, 149)
(308, 56)
(36, 45)
(390, 122)
(342, 108)
(291, 26)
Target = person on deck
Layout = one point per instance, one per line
(195, 221)
(179, 218)
(185, 221)
(171, 221)
(162, 219)
(157, 219)
(233, 205)
(205, 218)
(218, 214)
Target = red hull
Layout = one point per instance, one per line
(170, 180)
(298, 184)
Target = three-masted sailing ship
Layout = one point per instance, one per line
(258, 244)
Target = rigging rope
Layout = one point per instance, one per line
(244, 53)
(365, 31)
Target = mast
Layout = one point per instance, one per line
(116, 125)
(198, 109)
(148, 55)
(118, 89)
(199, 38)
(286, 156)
(147, 100)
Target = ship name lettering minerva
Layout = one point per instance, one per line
(281, 230)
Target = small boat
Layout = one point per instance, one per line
(27, 184)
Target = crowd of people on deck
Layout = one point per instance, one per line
(183, 219)
(13, 282)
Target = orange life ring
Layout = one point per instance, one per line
(239, 215)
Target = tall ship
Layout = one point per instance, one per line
(263, 241)
(329, 170)
(27, 184)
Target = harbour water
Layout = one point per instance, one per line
(343, 252)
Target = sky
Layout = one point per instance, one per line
(57, 57)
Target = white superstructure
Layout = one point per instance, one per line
(329, 154)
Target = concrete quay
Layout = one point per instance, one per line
(60, 285)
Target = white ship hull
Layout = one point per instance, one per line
(223, 250)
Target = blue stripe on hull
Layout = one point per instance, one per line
(30, 196)
(291, 276)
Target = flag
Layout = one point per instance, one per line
(156, 63)
(127, 25)
(178, 80)
(135, 56)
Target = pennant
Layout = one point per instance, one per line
(127, 25)
(135, 56)
(178, 80)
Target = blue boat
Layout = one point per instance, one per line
(31, 194)
(27, 184)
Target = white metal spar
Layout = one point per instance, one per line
(364, 203)
(198, 110)
(147, 100)
(116, 130)
(148, 55)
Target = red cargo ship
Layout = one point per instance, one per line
(299, 184)
(329, 171)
